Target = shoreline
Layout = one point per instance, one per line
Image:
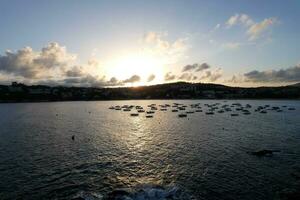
(156, 99)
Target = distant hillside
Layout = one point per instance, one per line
(296, 85)
(181, 90)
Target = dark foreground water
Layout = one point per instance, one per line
(115, 155)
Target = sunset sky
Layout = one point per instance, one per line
(134, 42)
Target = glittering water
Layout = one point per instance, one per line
(114, 155)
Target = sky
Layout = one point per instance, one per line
(132, 42)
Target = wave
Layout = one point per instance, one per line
(140, 192)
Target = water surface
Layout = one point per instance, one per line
(198, 157)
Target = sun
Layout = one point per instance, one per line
(142, 65)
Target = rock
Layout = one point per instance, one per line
(264, 152)
(119, 194)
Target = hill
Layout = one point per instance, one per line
(296, 85)
(181, 90)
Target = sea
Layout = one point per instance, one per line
(95, 150)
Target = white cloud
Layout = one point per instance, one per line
(53, 65)
(93, 62)
(246, 20)
(166, 51)
(35, 64)
(257, 29)
(233, 20)
(254, 30)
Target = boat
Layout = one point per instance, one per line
(247, 113)
(182, 115)
(234, 114)
(209, 113)
(134, 114)
(189, 112)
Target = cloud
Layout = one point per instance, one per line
(291, 74)
(93, 62)
(186, 77)
(254, 30)
(35, 64)
(232, 45)
(257, 29)
(53, 55)
(189, 67)
(236, 78)
(246, 20)
(242, 19)
(196, 67)
(232, 20)
(169, 76)
(75, 71)
(169, 52)
(132, 79)
(212, 75)
(114, 81)
(85, 81)
(151, 78)
(88, 81)
(217, 26)
(52, 65)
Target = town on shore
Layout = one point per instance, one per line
(18, 92)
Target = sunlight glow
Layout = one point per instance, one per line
(137, 64)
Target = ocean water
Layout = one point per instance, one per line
(117, 156)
